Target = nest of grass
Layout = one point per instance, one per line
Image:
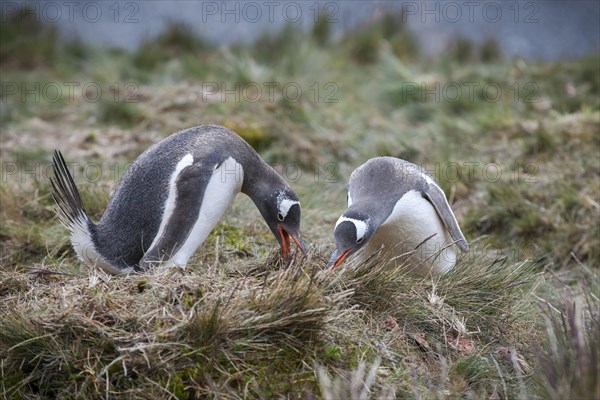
(261, 328)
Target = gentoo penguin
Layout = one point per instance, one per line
(171, 197)
(397, 207)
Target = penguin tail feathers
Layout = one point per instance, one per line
(70, 209)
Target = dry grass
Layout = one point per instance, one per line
(257, 329)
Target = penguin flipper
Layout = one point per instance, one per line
(437, 198)
(190, 187)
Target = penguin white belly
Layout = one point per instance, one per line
(407, 228)
(223, 186)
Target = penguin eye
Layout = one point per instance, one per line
(360, 240)
(280, 216)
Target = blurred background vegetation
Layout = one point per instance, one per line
(516, 148)
(521, 135)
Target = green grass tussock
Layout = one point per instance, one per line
(365, 43)
(40, 47)
(176, 40)
(568, 361)
(122, 114)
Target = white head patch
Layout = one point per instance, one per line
(361, 226)
(427, 179)
(285, 204)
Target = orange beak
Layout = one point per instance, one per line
(341, 259)
(285, 242)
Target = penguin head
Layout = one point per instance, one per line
(351, 233)
(282, 213)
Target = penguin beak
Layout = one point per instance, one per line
(285, 241)
(336, 260)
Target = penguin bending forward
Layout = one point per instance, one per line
(171, 197)
(397, 207)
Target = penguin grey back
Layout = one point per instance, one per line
(380, 182)
(397, 205)
(134, 213)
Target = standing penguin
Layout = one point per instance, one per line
(397, 207)
(171, 197)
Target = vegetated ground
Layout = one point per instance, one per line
(516, 153)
